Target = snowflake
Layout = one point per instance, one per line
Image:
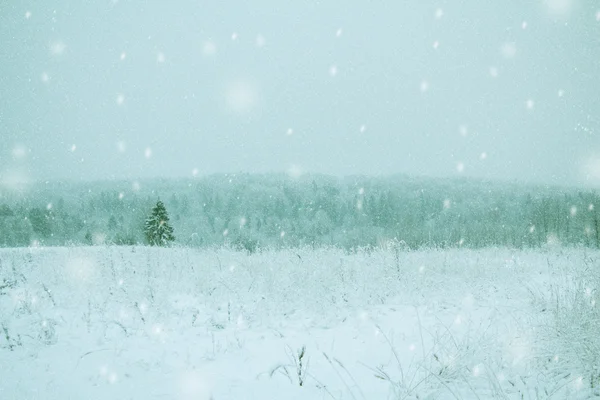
(524, 25)
(57, 48)
(483, 156)
(591, 207)
(363, 128)
(289, 132)
(573, 211)
(493, 72)
(339, 32)
(561, 93)
(195, 172)
(282, 234)
(436, 44)
(598, 15)
(447, 203)
(148, 152)
(27, 14)
(160, 58)
(234, 36)
(260, 41)
(121, 195)
(439, 13)
(121, 147)
(361, 191)
(460, 167)
(333, 70)
(463, 130)
(73, 148)
(529, 104)
(45, 77)
(209, 48)
(120, 99)
(123, 55)
(424, 86)
(508, 50)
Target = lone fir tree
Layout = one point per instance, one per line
(157, 229)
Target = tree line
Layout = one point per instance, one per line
(252, 211)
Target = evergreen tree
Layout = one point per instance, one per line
(157, 229)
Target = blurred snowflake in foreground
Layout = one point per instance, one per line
(424, 86)
(120, 99)
(529, 104)
(209, 48)
(333, 70)
(27, 14)
(260, 41)
(508, 50)
(57, 48)
(493, 72)
(439, 13)
(160, 58)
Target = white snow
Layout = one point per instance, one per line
(140, 323)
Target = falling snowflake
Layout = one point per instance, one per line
(493, 72)
(333, 70)
(121, 195)
(27, 14)
(195, 172)
(508, 50)
(460, 167)
(123, 55)
(295, 171)
(209, 48)
(120, 99)
(243, 222)
(234, 36)
(289, 132)
(363, 128)
(532, 229)
(73, 148)
(463, 130)
(561, 93)
(424, 86)
(436, 44)
(49, 206)
(524, 25)
(447, 203)
(160, 58)
(339, 32)
(19, 151)
(591, 207)
(121, 147)
(282, 234)
(361, 191)
(573, 211)
(483, 156)
(598, 15)
(45, 77)
(148, 152)
(260, 41)
(439, 13)
(225, 232)
(529, 104)
(57, 48)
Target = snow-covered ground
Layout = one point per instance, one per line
(149, 323)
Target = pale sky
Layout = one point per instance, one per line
(135, 89)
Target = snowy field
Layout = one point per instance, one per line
(149, 323)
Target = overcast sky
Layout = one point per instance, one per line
(133, 89)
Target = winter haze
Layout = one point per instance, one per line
(132, 89)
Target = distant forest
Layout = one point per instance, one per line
(254, 211)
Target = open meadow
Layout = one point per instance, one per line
(385, 323)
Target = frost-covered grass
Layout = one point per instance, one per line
(140, 323)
